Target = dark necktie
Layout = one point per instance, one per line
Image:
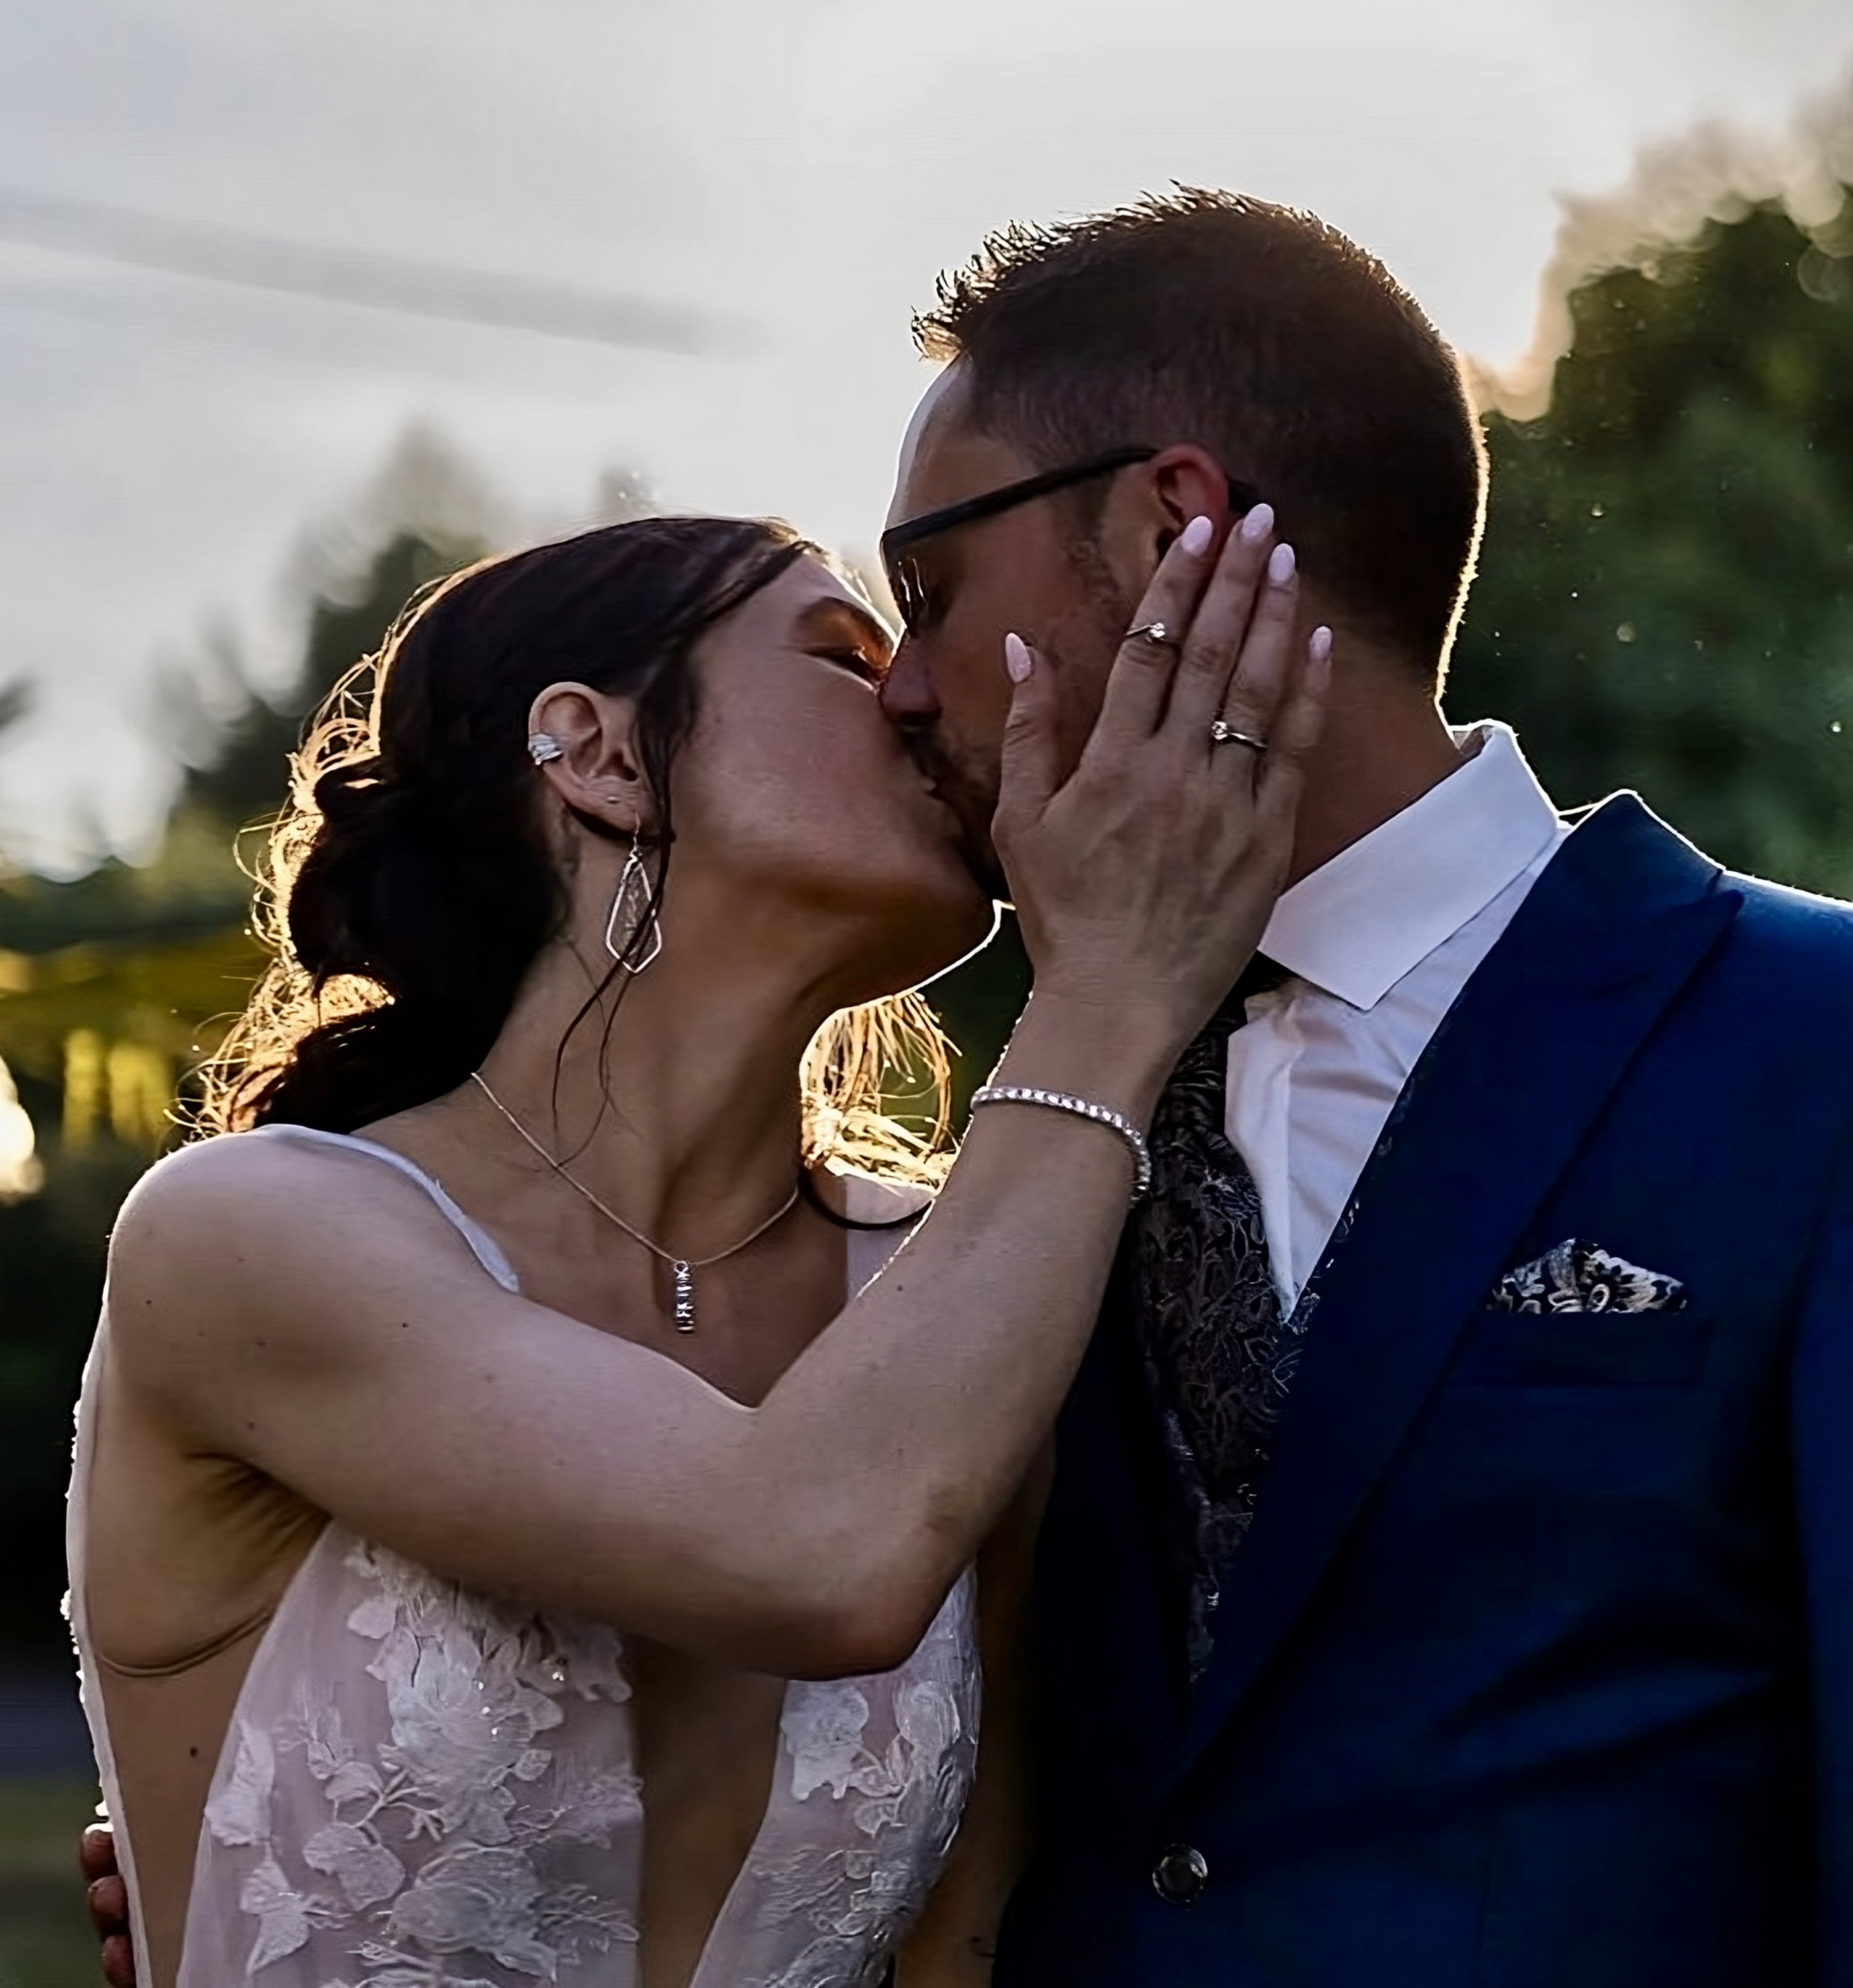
(1217, 1354)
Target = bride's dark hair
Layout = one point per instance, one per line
(408, 886)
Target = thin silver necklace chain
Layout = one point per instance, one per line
(681, 1268)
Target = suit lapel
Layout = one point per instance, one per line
(1109, 1616)
(1492, 1116)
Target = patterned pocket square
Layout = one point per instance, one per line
(1577, 1276)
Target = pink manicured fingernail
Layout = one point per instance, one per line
(1195, 536)
(1258, 523)
(1280, 565)
(1017, 662)
(1321, 645)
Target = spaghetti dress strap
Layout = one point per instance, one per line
(487, 1251)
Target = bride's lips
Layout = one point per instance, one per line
(930, 784)
(948, 814)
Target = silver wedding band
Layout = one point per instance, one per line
(1154, 631)
(1223, 733)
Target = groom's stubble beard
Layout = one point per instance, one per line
(967, 773)
(967, 780)
(1079, 614)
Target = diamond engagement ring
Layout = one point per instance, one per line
(1223, 733)
(1154, 631)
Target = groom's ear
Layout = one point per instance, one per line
(1151, 504)
(1184, 482)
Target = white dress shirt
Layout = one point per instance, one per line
(1378, 943)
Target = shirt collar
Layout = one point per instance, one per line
(1356, 925)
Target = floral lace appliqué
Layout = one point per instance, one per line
(826, 1907)
(432, 1854)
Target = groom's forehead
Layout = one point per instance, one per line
(944, 456)
(937, 409)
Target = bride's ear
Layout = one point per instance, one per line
(584, 744)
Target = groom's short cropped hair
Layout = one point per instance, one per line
(1262, 335)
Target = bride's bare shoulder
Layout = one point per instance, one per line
(239, 1194)
(302, 1234)
(226, 1165)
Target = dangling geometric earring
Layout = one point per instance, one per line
(632, 937)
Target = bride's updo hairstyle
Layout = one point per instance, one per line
(408, 885)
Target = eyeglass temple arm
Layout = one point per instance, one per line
(1243, 497)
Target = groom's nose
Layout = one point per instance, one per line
(907, 695)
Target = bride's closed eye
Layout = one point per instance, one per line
(872, 668)
(848, 635)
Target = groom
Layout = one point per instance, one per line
(1449, 1577)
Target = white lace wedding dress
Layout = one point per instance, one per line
(424, 1788)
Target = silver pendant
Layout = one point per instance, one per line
(685, 1294)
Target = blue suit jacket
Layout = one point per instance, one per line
(1536, 1670)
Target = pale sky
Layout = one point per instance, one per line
(803, 167)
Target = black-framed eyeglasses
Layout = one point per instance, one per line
(903, 575)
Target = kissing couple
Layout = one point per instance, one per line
(1344, 1479)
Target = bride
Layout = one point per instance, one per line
(516, 1535)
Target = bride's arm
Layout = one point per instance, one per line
(292, 1311)
(306, 1313)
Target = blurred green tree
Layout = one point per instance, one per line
(1665, 599)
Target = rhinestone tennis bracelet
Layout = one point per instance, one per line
(1079, 1107)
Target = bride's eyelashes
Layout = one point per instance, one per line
(872, 669)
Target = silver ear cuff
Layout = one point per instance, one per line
(543, 746)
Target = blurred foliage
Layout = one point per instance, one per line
(1665, 599)
(1665, 602)
(113, 987)
(45, 1940)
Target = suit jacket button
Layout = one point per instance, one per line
(1180, 1875)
